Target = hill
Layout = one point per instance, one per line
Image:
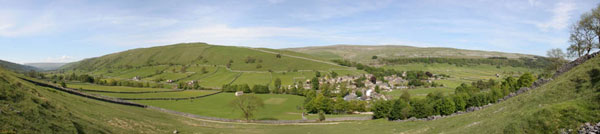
(238, 58)
(46, 66)
(16, 67)
(364, 53)
(569, 100)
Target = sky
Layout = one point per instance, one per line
(72, 30)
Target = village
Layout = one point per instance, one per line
(367, 87)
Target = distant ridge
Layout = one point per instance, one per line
(16, 67)
(185, 54)
(364, 53)
(46, 66)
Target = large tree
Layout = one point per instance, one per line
(557, 56)
(585, 34)
(248, 104)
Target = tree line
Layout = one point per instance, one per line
(536, 62)
(466, 95)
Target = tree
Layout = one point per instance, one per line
(557, 57)
(585, 34)
(340, 106)
(400, 110)
(277, 83)
(447, 106)
(460, 101)
(356, 105)
(63, 84)
(315, 83)
(278, 56)
(555, 53)
(374, 57)
(317, 74)
(204, 70)
(334, 74)
(421, 108)
(321, 115)
(525, 80)
(405, 96)
(245, 88)
(381, 109)
(248, 104)
(591, 21)
(196, 85)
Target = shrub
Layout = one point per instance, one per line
(381, 109)
(400, 110)
(321, 116)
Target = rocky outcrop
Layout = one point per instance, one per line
(589, 128)
(573, 64)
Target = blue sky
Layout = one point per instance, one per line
(71, 30)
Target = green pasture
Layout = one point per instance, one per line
(181, 94)
(277, 106)
(112, 88)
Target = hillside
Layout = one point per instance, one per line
(46, 66)
(243, 59)
(16, 67)
(566, 102)
(364, 53)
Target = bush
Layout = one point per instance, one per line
(447, 106)
(400, 110)
(321, 116)
(526, 80)
(381, 109)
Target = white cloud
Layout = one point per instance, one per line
(560, 18)
(212, 33)
(13, 26)
(332, 9)
(534, 2)
(275, 1)
(61, 59)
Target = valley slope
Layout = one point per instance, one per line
(364, 53)
(566, 102)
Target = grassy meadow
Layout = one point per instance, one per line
(276, 106)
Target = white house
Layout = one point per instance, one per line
(239, 93)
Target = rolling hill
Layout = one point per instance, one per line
(364, 53)
(241, 58)
(46, 66)
(564, 103)
(17, 67)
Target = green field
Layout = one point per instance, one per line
(277, 107)
(364, 53)
(181, 94)
(289, 78)
(459, 75)
(142, 72)
(555, 105)
(420, 92)
(112, 88)
(254, 79)
(201, 53)
(218, 79)
(198, 74)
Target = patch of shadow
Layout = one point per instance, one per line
(594, 77)
(79, 128)
(268, 118)
(579, 83)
